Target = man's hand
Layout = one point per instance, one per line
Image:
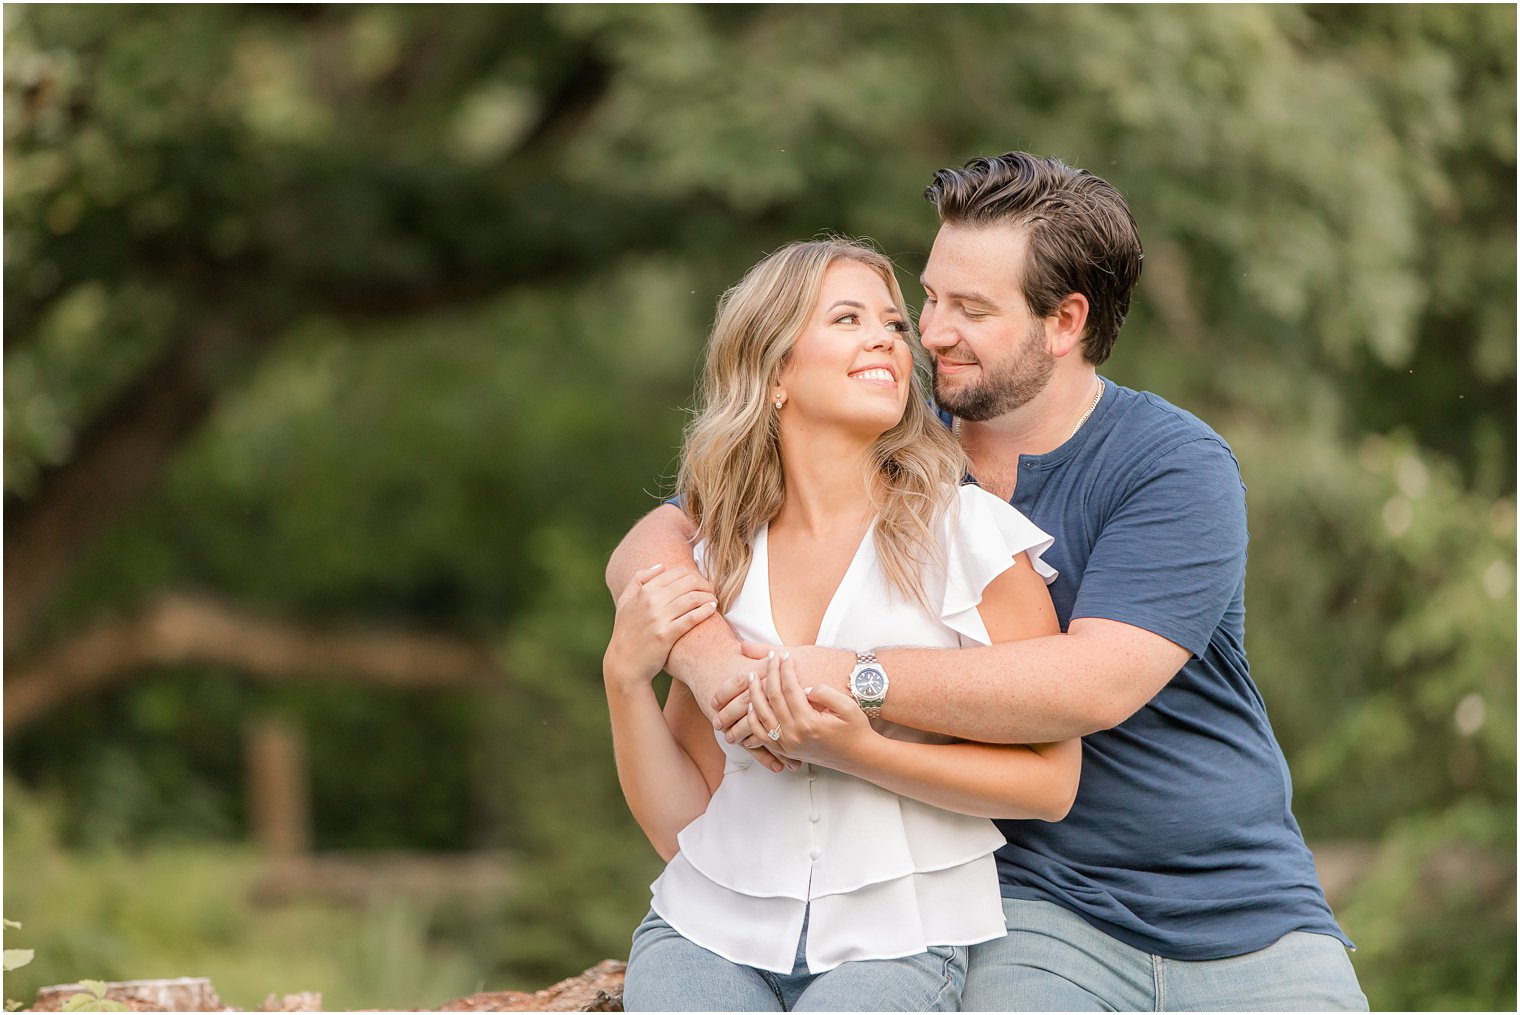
(815, 665)
(734, 696)
(820, 725)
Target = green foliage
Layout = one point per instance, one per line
(92, 998)
(1454, 866)
(578, 835)
(188, 910)
(15, 958)
(1399, 584)
(459, 262)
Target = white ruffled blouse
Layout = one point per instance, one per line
(877, 875)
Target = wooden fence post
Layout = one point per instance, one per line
(279, 805)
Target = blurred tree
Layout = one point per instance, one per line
(377, 317)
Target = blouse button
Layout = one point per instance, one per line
(813, 817)
(815, 854)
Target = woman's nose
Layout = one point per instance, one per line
(881, 337)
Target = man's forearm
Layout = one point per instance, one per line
(663, 536)
(968, 693)
(1016, 693)
(704, 658)
(1037, 690)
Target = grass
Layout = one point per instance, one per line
(187, 910)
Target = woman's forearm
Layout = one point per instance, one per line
(985, 780)
(663, 786)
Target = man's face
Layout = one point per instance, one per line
(989, 351)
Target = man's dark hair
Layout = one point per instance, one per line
(1082, 238)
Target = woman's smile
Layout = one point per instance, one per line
(877, 376)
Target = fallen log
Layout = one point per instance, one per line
(599, 988)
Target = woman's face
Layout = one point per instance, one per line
(851, 366)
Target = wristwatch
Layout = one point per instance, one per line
(868, 684)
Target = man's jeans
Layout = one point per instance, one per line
(666, 972)
(1052, 960)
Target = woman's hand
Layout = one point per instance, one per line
(653, 613)
(819, 725)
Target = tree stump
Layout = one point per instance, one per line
(189, 993)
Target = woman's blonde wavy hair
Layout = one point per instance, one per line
(730, 474)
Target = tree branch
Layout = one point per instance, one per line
(177, 630)
(571, 103)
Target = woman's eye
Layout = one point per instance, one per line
(901, 327)
(848, 319)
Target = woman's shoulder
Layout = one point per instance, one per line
(983, 525)
(971, 505)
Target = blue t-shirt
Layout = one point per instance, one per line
(1182, 840)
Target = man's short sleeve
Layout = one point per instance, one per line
(1171, 555)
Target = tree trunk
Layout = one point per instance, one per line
(119, 456)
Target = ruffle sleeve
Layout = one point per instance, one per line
(982, 533)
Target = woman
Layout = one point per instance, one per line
(855, 879)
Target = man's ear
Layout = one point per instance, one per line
(1065, 326)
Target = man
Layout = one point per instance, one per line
(1180, 878)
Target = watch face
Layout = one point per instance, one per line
(869, 683)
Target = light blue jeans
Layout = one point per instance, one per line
(1052, 960)
(666, 972)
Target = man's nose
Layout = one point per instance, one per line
(932, 335)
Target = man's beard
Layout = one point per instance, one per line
(1004, 389)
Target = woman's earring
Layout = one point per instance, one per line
(778, 403)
